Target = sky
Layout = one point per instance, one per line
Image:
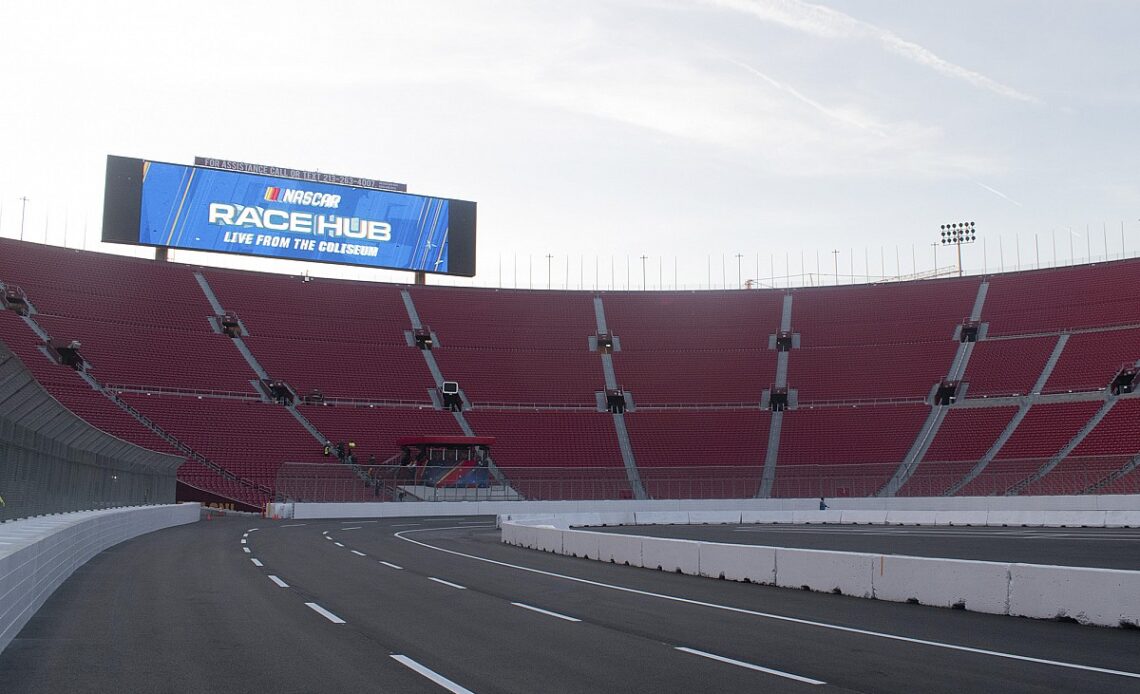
(723, 140)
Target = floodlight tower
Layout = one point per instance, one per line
(958, 233)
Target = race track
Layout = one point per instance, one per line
(431, 605)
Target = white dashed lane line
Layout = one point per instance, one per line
(338, 544)
(245, 549)
(256, 562)
(279, 582)
(324, 613)
(431, 675)
(355, 527)
(390, 565)
(359, 554)
(446, 583)
(294, 525)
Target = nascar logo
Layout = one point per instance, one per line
(291, 196)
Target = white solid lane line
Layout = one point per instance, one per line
(294, 525)
(446, 583)
(360, 521)
(359, 554)
(764, 615)
(256, 562)
(279, 582)
(546, 612)
(324, 613)
(405, 525)
(431, 675)
(390, 565)
(750, 666)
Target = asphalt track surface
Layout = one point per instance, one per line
(188, 610)
(1105, 548)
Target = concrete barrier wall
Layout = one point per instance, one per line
(1090, 596)
(38, 554)
(1117, 510)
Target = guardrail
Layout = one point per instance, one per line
(335, 482)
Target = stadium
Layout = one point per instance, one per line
(280, 429)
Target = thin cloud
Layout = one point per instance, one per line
(829, 112)
(997, 192)
(828, 23)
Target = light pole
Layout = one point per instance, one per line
(549, 260)
(23, 206)
(739, 256)
(957, 233)
(643, 259)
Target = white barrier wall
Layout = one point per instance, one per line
(1114, 510)
(1090, 596)
(38, 554)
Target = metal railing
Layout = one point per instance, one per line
(331, 481)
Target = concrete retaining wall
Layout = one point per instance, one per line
(1112, 510)
(38, 554)
(1090, 596)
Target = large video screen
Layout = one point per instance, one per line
(204, 209)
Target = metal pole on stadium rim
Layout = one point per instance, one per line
(549, 260)
(23, 207)
(739, 280)
(643, 278)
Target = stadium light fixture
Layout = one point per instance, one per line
(956, 234)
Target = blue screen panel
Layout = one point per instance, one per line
(229, 212)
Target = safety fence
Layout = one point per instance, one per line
(332, 481)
